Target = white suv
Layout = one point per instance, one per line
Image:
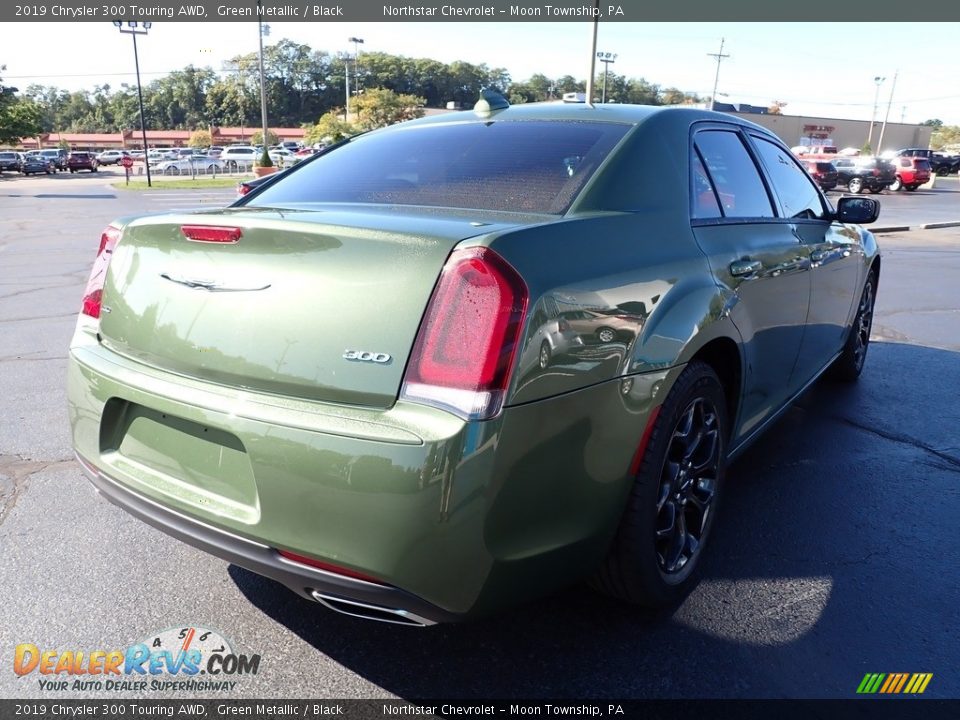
(238, 157)
(111, 157)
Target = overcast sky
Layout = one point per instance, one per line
(809, 66)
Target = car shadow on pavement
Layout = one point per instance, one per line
(825, 565)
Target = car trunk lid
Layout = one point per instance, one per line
(320, 305)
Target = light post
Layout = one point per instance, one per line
(264, 30)
(876, 99)
(606, 58)
(135, 29)
(356, 62)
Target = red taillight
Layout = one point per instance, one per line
(328, 567)
(464, 351)
(211, 233)
(94, 290)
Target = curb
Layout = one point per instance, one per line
(908, 228)
(935, 225)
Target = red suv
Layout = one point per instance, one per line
(823, 171)
(912, 172)
(82, 161)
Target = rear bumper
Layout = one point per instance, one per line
(455, 519)
(394, 604)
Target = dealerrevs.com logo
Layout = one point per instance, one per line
(188, 659)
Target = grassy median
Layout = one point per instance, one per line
(185, 184)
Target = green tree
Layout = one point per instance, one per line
(200, 139)
(272, 137)
(933, 123)
(330, 128)
(20, 117)
(379, 107)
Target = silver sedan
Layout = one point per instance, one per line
(193, 165)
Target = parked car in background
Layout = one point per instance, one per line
(80, 160)
(823, 171)
(111, 157)
(940, 163)
(57, 156)
(10, 161)
(864, 173)
(190, 165)
(238, 157)
(321, 382)
(36, 164)
(912, 172)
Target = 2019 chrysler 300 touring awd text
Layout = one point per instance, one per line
(338, 382)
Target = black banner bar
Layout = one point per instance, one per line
(354, 11)
(207, 709)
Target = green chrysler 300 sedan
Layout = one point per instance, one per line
(463, 361)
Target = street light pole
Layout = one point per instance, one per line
(356, 62)
(876, 99)
(135, 29)
(606, 58)
(263, 84)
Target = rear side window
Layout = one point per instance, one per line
(525, 166)
(798, 195)
(733, 174)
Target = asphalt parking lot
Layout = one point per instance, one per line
(834, 553)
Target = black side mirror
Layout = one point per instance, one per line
(857, 210)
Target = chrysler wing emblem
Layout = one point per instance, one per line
(211, 285)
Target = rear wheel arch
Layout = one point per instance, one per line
(723, 355)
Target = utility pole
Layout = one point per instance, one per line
(593, 51)
(883, 127)
(606, 58)
(873, 118)
(719, 56)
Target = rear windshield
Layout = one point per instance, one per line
(7, 156)
(528, 166)
(921, 164)
(825, 167)
(80, 155)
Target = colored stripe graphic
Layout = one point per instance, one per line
(894, 683)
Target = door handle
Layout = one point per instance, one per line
(739, 268)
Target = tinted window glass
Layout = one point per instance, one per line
(521, 166)
(734, 175)
(705, 203)
(798, 195)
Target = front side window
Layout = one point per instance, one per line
(524, 166)
(734, 174)
(798, 195)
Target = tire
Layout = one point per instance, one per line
(211, 169)
(545, 356)
(72, 171)
(876, 190)
(848, 366)
(606, 335)
(654, 560)
(232, 165)
(943, 171)
(911, 188)
(896, 185)
(855, 186)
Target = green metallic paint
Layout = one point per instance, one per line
(469, 516)
(531, 495)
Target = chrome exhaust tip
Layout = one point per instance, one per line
(366, 611)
